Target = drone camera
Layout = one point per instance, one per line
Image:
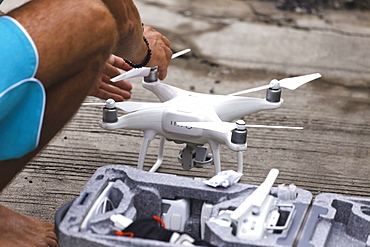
(197, 156)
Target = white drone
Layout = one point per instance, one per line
(193, 118)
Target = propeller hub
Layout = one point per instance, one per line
(240, 125)
(274, 84)
(110, 104)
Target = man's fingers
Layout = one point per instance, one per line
(118, 62)
(121, 94)
(161, 52)
(162, 73)
(110, 70)
(51, 238)
(105, 89)
(51, 242)
(166, 41)
(102, 94)
(123, 85)
(162, 69)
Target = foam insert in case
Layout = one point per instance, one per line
(186, 204)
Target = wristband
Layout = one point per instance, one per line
(146, 60)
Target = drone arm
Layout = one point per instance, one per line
(250, 90)
(236, 107)
(163, 91)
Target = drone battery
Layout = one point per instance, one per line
(175, 213)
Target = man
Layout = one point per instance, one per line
(52, 54)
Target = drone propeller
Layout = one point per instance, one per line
(126, 106)
(227, 126)
(180, 53)
(289, 83)
(144, 71)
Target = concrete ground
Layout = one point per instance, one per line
(235, 45)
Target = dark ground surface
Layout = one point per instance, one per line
(314, 6)
(236, 45)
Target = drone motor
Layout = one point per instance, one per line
(273, 93)
(239, 134)
(153, 75)
(110, 113)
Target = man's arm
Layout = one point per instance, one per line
(131, 45)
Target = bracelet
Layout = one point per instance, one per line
(146, 60)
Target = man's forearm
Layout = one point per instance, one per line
(131, 45)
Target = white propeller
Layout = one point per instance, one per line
(180, 53)
(126, 106)
(144, 71)
(227, 126)
(289, 83)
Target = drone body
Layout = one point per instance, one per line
(194, 118)
(185, 106)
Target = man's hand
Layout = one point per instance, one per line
(105, 89)
(161, 52)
